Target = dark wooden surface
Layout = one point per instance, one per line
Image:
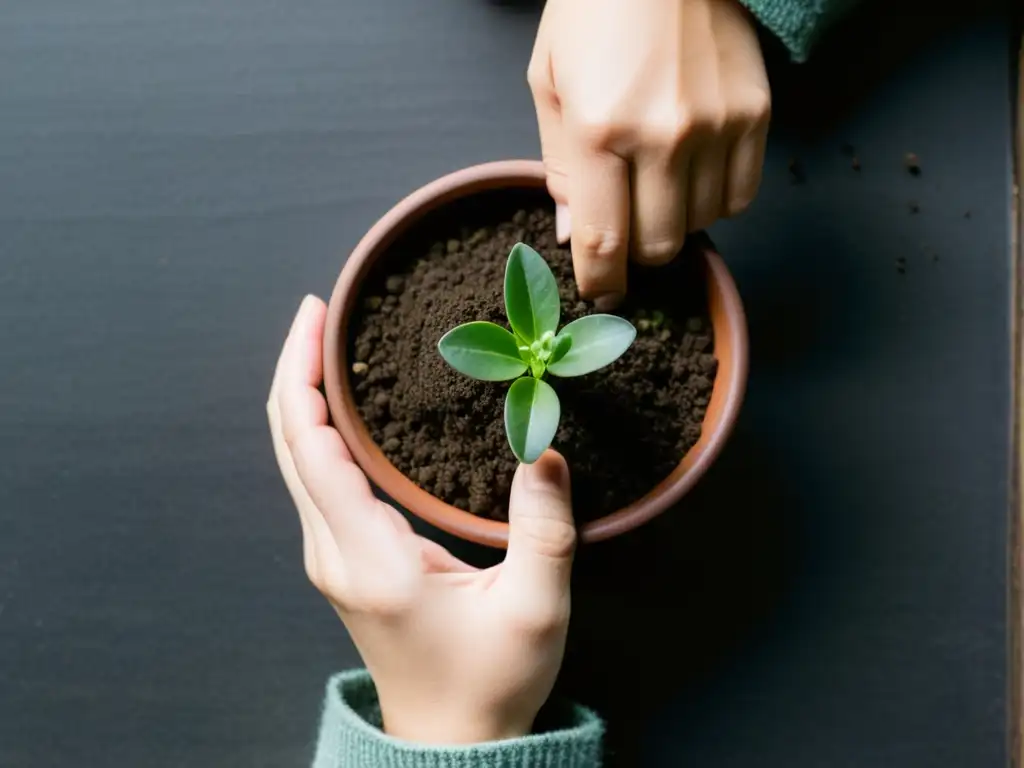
(1016, 687)
(175, 176)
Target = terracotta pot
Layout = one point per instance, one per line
(730, 332)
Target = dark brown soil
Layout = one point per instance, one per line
(623, 428)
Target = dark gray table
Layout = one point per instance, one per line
(173, 178)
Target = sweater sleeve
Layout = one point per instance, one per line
(351, 737)
(798, 23)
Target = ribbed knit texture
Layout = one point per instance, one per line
(798, 23)
(351, 737)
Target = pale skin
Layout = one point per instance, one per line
(653, 117)
(459, 655)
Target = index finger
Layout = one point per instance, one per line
(339, 491)
(599, 206)
(300, 371)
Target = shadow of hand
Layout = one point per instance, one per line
(662, 608)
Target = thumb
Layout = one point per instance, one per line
(542, 534)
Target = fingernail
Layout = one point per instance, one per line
(608, 301)
(563, 224)
(545, 474)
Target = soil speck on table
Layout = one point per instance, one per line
(623, 428)
(901, 265)
(796, 171)
(912, 164)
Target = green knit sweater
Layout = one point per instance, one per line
(351, 737)
(798, 23)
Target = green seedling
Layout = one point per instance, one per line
(534, 345)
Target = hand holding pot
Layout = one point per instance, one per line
(653, 117)
(458, 655)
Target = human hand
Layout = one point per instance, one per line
(458, 655)
(653, 117)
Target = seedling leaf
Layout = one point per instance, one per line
(531, 294)
(597, 341)
(563, 343)
(532, 411)
(482, 351)
(489, 352)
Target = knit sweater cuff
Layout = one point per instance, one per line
(798, 23)
(351, 737)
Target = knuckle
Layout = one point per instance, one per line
(555, 167)
(710, 121)
(541, 621)
(598, 241)
(322, 585)
(680, 126)
(536, 77)
(598, 132)
(552, 538)
(325, 576)
(687, 124)
(671, 129)
(757, 106)
(556, 178)
(305, 443)
(326, 585)
(556, 186)
(751, 111)
(313, 574)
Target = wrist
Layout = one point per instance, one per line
(350, 735)
(429, 724)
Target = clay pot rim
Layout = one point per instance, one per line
(511, 174)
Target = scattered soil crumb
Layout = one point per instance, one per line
(914, 207)
(912, 164)
(901, 265)
(796, 171)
